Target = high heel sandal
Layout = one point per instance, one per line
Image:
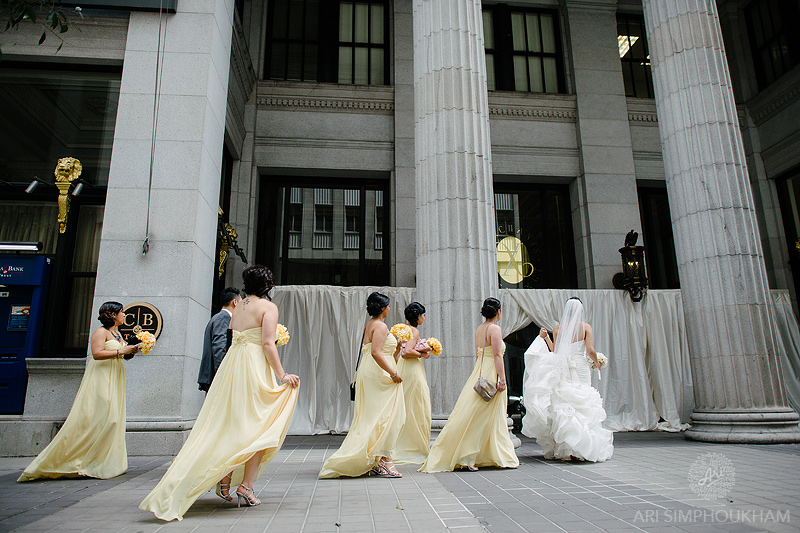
(224, 487)
(387, 469)
(248, 495)
(472, 468)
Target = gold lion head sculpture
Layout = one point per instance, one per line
(68, 170)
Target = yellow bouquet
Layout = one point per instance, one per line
(147, 341)
(401, 332)
(282, 335)
(436, 346)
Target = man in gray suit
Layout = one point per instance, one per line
(215, 339)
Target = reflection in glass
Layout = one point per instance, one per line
(534, 237)
(346, 244)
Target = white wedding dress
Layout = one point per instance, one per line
(564, 413)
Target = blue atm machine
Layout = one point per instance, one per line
(23, 284)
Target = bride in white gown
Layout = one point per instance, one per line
(563, 411)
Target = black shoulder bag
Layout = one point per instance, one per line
(355, 374)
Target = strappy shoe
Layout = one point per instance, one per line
(248, 496)
(387, 469)
(472, 468)
(224, 490)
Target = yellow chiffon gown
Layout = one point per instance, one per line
(378, 417)
(414, 442)
(92, 440)
(245, 411)
(476, 433)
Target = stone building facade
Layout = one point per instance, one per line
(378, 142)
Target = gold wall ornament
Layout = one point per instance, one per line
(67, 171)
(227, 236)
(512, 260)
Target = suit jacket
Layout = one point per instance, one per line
(214, 348)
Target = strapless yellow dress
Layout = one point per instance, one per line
(245, 411)
(476, 433)
(92, 440)
(377, 419)
(414, 442)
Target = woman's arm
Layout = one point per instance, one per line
(543, 333)
(99, 352)
(378, 338)
(412, 353)
(269, 325)
(590, 351)
(496, 336)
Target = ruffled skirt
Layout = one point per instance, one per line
(564, 413)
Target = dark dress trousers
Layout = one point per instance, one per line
(214, 348)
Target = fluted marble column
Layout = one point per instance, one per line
(456, 261)
(738, 382)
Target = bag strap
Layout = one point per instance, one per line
(360, 352)
(480, 366)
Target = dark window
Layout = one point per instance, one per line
(523, 50)
(50, 113)
(634, 56)
(659, 245)
(789, 195)
(346, 245)
(328, 41)
(774, 39)
(535, 247)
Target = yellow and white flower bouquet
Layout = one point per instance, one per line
(401, 332)
(282, 335)
(436, 346)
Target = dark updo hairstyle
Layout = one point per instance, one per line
(376, 303)
(490, 308)
(258, 281)
(413, 311)
(107, 313)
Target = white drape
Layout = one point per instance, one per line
(648, 377)
(647, 385)
(788, 344)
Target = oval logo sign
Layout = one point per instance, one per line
(141, 316)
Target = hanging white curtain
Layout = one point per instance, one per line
(648, 382)
(647, 385)
(788, 344)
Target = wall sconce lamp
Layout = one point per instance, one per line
(35, 183)
(633, 277)
(80, 183)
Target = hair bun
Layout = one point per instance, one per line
(490, 308)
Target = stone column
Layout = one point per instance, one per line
(738, 382)
(177, 273)
(456, 260)
(607, 199)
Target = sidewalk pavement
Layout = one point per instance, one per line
(645, 487)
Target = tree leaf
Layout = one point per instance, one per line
(43, 37)
(59, 47)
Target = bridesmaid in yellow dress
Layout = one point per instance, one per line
(92, 440)
(414, 441)
(476, 433)
(379, 408)
(245, 416)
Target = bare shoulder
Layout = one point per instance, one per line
(587, 327)
(100, 333)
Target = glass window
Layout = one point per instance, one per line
(789, 196)
(535, 248)
(50, 113)
(332, 41)
(523, 50)
(634, 56)
(774, 44)
(659, 246)
(347, 245)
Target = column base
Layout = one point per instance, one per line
(776, 426)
